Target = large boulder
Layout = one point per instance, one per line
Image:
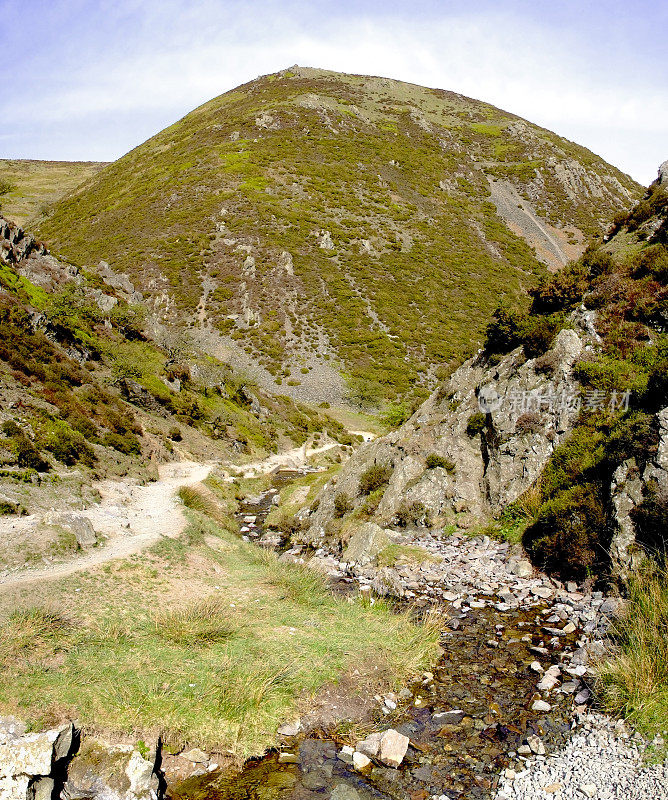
(32, 760)
(79, 525)
(101, 771)
(366, 543)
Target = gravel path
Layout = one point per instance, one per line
(132, 518)
(601, 761)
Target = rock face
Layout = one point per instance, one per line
(77, 524)
(663, 174)
(110, 772)
(627, 492)
(42, 766)
(31, 762)
(367, 542)
(525, 408)
(17, 245)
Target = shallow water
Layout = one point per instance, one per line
(493, 687)
(483, 673)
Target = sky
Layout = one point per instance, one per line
(90, 80)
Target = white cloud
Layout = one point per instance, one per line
(173, 60)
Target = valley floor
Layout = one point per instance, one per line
(178, 627)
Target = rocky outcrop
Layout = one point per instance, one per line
(17, 245)
(628, 490)
(80, 526)
(111, 772)
(523, 410)
(625, 494)
(663, 174)
(55, 764)
(31, 764)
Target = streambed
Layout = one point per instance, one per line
(467, 721)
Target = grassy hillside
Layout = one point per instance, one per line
(86, 389)
(29, 187)
(325, 219)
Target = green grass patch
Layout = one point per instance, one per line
(206, 640)
(633, 683)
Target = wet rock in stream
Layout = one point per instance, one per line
(467, 722)
(516, 647)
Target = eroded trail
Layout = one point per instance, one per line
(130, 517)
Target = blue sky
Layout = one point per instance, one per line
(90, 80)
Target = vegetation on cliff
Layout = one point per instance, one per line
(624, 280)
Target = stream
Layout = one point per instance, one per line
(466, 720)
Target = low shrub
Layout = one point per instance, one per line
(374, 477)
(568, 538)
(7, 508)
(411, 514)
(434, 461)
(476, 424)
(70, 448)
(342, 504)
(175, 433)
(128, 443)
(27, 455)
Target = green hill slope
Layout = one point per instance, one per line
(27, 186)
(322, 219)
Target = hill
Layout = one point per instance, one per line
(28, 187)
(557, 432)
(92, 388)
(325, 224)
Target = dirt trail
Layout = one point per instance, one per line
(133, 517)
(290, 459)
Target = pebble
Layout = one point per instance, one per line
(599, 761)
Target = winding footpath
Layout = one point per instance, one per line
(131, 517)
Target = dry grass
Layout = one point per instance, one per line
(634, 682)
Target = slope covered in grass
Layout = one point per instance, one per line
(29, 187)
(327, 219)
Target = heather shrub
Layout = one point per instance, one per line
(374, 477)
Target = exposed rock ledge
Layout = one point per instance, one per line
(489, 469)
(60, 763)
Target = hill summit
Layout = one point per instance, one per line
(321, 225)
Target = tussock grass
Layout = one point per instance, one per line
(206, 640)
(634, 681)
(196, 500)
(200, 623)
(32, 629)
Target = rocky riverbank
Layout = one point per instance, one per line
(602, 760)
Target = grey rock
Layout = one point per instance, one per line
(101, 771)
(393, 747)
(366, 543)
(626, 493)
(290, 728)
(371, 745)
(343, 791)
(79, 525)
